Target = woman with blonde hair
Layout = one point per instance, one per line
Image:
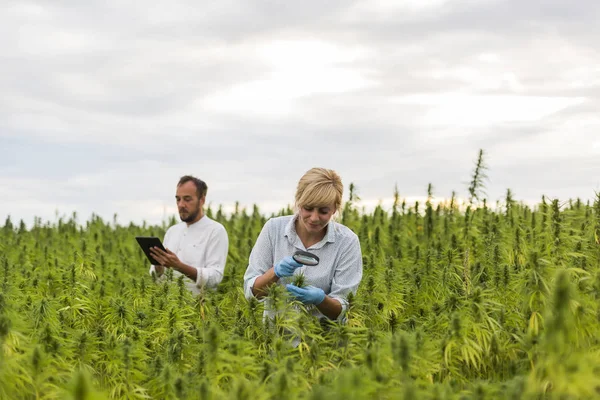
(311, 228)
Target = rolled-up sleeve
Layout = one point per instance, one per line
(347, 275)
(260, 260)
(211, 274)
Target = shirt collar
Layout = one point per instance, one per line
(292, 235)
(200, 222)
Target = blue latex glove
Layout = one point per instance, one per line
(286, 267)
(308, 294)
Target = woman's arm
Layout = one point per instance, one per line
(331, 308)
(259, 274)
(347, 275)
(263, 282)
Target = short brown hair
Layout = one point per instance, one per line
(319, 187)
(201, 187)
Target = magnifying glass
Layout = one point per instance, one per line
(305, 258)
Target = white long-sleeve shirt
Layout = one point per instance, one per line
(202, 245)
(338, 273)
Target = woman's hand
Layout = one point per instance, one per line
(286, 267)
(308, 294)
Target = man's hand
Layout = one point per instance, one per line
(165, 258)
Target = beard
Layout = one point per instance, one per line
(191, 216)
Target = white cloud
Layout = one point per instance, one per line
(404, 10)
(583, 76)
(490, 58)
(471, 110)
(294, 69)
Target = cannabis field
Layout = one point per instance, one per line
(455, 303)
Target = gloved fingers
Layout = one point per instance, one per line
(286, 267)
(295, 290)
(289, 260)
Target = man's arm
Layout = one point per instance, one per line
(170, 260)
(211, 273)
(158, 269)
(187, 270)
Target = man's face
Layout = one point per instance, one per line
(188, 203)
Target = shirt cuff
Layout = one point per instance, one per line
(207, 278)
(344, 303)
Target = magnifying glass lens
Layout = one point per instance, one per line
(305, 258)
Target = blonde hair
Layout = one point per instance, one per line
(319, 187)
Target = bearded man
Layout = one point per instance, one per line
(197, 246)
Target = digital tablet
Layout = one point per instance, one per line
(146, 242)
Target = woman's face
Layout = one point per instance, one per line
(315, 219)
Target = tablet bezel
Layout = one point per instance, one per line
(146, 242)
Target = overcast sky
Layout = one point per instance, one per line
(105, 104)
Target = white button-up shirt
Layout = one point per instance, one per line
(338, 273)
(202, 245)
